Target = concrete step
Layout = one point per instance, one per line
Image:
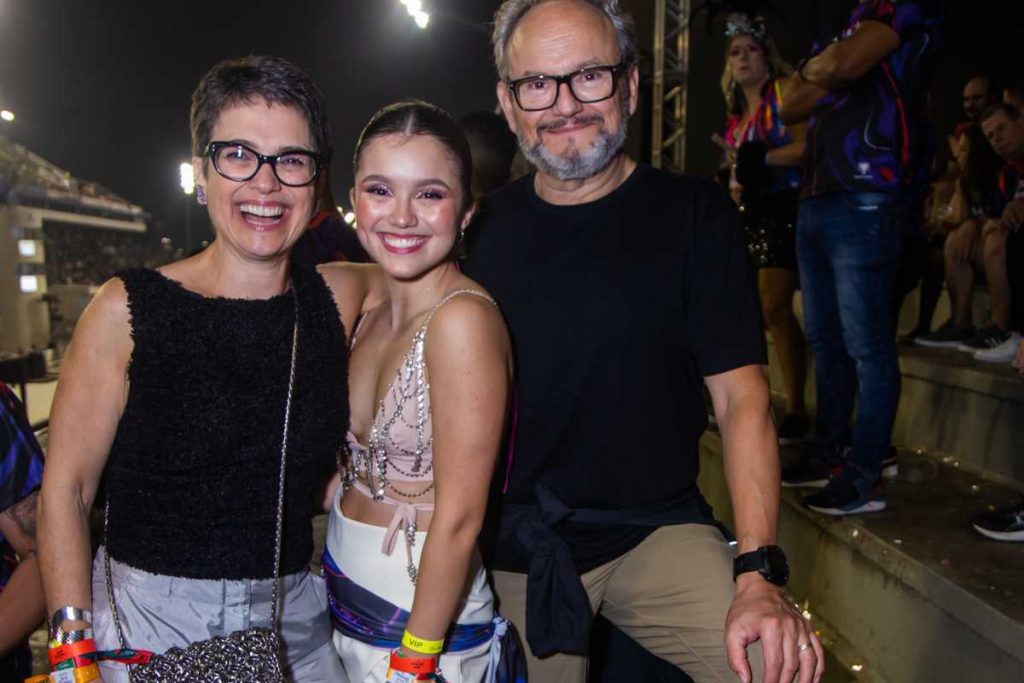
(955, 408)
(911, 593)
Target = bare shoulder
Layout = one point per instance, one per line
(468, 320)
(109, 306)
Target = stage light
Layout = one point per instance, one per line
(188, 178)
(27, 248)
(7, 115)
(416, 11)
(29, 283)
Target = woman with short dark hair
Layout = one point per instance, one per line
(210, 395)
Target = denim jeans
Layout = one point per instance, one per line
(848, 248)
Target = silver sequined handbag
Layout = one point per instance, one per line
(248, 656)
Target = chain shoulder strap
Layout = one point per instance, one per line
(279, 529)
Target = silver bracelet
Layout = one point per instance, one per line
(68, 613)
(62, 637)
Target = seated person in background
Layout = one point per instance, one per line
(981, 243)
(977, 98)
(1014, 94)
(963, 194)
(21, 590)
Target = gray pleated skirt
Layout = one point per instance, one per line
(159, 612)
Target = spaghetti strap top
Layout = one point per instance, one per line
(399, 447)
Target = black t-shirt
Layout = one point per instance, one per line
(617, 309)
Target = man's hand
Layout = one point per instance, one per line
(962, 242)
(760, 612)
(1013, 215)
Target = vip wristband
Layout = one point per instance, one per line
(420, 646)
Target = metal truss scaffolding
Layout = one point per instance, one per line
(671, 76)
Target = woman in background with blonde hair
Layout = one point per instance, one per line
(765, 156)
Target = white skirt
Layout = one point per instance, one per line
(356, 548)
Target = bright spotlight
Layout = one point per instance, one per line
(188, 178)
(421, 18)
(7, 115)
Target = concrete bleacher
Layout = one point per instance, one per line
(914, 593)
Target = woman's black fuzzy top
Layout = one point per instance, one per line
(192, 477)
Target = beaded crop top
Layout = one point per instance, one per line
(399, 447)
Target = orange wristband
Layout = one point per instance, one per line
(413, 665)
(64, 652)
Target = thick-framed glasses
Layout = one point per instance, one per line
(240, 163)
(592, 84)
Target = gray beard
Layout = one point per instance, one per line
(576, 164)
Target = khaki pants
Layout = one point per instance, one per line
(670, 594)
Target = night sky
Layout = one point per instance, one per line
(102, 87)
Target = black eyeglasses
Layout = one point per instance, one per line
(240, 163)
(592, 84)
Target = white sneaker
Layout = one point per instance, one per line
(1004, 353)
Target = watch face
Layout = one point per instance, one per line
(778, 567)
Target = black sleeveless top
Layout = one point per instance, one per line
(192, 477)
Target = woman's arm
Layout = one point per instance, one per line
(86, 409)
(356, 287)
(791, 154)
(467, 355)
(21, 601)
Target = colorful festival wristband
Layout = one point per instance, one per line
(63, 653)
(420, 646)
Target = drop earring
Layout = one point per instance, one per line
(200, 195)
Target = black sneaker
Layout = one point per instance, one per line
(1002, 525)
(793, 430)
(815, 467)
(847, 493)
(988, 337)
(947, 336)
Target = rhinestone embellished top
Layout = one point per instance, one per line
(399, 447)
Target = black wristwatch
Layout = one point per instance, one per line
(769, 561)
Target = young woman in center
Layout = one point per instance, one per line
(429, 378)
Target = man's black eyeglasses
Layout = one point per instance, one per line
(590, 84)
(240, 163)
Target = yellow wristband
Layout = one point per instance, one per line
(420, 646)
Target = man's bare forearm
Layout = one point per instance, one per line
(751, 458)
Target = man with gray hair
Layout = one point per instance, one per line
(625, 289)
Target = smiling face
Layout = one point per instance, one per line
(258, 219)
(746, 61)
(408, 203)
(570, 140)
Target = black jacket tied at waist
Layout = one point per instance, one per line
(558, 610)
